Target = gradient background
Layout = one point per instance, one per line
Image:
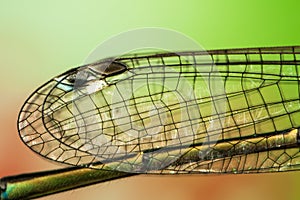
(40, 39)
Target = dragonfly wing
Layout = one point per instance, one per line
(155, 108)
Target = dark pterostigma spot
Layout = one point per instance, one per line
(109, 68)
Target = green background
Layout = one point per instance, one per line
(40, 39)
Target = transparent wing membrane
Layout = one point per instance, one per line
(220, 111)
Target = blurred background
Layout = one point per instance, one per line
(41, 39)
